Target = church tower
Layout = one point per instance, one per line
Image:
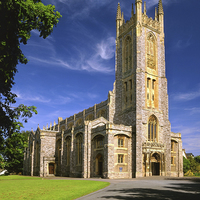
(141, 89)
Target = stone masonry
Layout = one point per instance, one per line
(128, 135)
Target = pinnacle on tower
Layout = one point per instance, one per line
(123, 21)
(160, 7)
(119, 16)
(156, 14)
(132, 12)
(145, 8)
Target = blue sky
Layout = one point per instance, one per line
(73, 68)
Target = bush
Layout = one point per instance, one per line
(198, 167)
(186, 165)
(189, 173)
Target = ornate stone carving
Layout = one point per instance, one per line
(152, 144)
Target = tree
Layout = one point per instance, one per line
(186, 165)
(16, 141)
(14, 151)
(197, 159)
(18, 19)
(192, 163)
(2, 164)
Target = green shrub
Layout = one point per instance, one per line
(189, 173)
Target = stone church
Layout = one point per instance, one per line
(128, 135)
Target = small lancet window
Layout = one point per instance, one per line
(120, 141)
(120, 158)
(148, 82)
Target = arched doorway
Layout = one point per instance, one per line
(99, 165)
(155, 164)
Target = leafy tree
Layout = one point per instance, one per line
(198, 168)
(16, 141)
(18, 19)
(186, 165)
(197, 159)
(192, 163)
(14, 151)
(2, 164)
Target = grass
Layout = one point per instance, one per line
(17, 177)
(22, 187)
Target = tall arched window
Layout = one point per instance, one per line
(59, 152)
(151, 52)
(37, 154)
(68, 148)
(152, 129)
(128, 54)
(79, 144)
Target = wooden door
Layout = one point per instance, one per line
(51, 168)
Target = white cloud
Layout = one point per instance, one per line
(192, 144)
(194, 110)
(151, 3)
(106, 48)
(30, 97)
(88, 60)
(183, 44)
(187, 96)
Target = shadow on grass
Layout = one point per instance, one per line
(174, 191)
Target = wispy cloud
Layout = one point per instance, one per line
(84, 60)
(151, 3)
(194, 110)
(187, 96)
(192, 144)
(183, 43)
(106, 48)
(32, 98)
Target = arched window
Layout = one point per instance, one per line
(59, 152)
(90, 117)
(121, 141)
(99, 141)
(37, 154)
(79, 144)
(151, 52)
(68, 148)
(102, 113)
(128, 54)
(152, 129)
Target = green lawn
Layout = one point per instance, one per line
(22, 187)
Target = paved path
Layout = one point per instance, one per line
(148, 188)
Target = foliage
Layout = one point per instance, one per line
(15, 142)
(192, 163)
(197, 159)
(198, 167)
(186, 165)
(18, 19)
(197, 173)
(48, 189)
(14, 151)
(2, 164)
(189, 173)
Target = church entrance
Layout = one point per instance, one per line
(51, 168)
(155, 164)
(99, 165)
